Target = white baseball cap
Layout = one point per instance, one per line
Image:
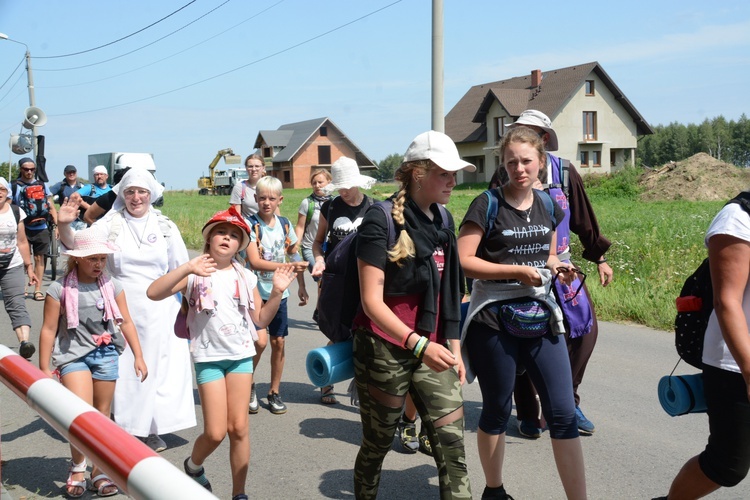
(440, 149)
(538, 119)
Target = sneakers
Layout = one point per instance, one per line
(155, 443)
(199, 476)
(528, 429)
(275, 403)
(253, 408)
(407, 436)
(424, 442)
(26, 350)
(585, 426)
(498, 493)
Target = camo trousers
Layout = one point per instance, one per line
(384, 373)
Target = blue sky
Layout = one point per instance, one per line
(252, 65)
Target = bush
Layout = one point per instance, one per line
(620, 184)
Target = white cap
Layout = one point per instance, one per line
(538, 119)
(440, 149)
(100, 169)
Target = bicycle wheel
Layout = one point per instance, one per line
(52, 255)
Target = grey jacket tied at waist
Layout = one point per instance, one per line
(486, 292)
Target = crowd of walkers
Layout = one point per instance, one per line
(501, 302)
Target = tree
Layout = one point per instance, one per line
(388, 165)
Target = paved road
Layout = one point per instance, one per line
(308, 453)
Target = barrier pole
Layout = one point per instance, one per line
(134, 467)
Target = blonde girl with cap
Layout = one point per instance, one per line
(224, 309)
(406, 338)
(86, 327)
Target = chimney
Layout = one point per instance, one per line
(536, 77)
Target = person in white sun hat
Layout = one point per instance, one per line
(339, 217)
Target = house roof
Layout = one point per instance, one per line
(293, 136)
(466, 121)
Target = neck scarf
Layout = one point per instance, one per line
(426, 237)
(201, 297)
(69, 299)
(321, 199)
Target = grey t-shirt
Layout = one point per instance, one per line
(244, 195)
(71, 345)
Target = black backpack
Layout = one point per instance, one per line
(695, 305)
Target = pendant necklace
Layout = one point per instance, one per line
(527, 211)
(138, 241)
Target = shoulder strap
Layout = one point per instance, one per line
(387, 207)
(561, 167)
(286, 224)
(13, 187)
(548, 204)
(493, 201)
(115, 226)
(16, 212)
(743, 200)
(310, 209)
(255, 225)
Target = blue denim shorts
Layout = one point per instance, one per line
(209, 371)
(279, 326)
(102, 362)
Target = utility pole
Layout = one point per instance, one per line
(438, 114)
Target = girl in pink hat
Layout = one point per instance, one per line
(224, 309)
(80, 335)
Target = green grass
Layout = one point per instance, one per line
(655, 245)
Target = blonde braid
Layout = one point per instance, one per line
(404, 246)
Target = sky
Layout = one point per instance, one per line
(183, 79)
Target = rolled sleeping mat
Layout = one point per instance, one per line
(330, 364)
(682, 394)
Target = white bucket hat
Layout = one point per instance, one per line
(538, 119)
(345, 173)
(90, 241)
(440, 149)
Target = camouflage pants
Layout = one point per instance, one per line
(384, 373)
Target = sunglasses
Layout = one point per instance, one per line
(28, 169)
(581, 277)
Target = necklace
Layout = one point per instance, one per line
(138, 241)
(528, 210)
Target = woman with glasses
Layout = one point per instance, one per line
(243, 194)
(514, 321)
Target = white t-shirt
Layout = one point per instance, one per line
(223, 333)
(248, 202)
(273, 249)
(9, 233)
(733, 221)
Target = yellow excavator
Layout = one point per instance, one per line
(221, 182)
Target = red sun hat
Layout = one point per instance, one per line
(230, 216)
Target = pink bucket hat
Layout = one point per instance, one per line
(91, 241)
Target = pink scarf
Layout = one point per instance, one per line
(69, 301)
(202, 296)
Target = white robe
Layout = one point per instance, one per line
(163, 403)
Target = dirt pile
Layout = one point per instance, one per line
(700, 177)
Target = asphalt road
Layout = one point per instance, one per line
(308, 453)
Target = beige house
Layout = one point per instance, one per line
(296, 149)
(596, 125)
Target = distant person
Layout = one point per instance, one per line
(103, 203)
(86, 327)
(35, 199)
(582, 328)
(98, 187)
(726, 360)
(15, 258)
(150, 246)
(243, 194)
(67, 186)
(308, 215)
(271, 244)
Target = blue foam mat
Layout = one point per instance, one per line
(330, 364)
(681, 394)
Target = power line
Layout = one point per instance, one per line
(13, 73)
(237, 68)
(119, 39)
(139, 48)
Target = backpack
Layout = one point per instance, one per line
(563, 171)
(33, 200)
(695, 305)
(493, 197)
(338, 297)
(310, 210)
(258, 230)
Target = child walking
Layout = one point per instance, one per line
(272, 240)
(80, 337)
(224, 308)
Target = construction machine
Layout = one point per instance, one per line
(221, 182)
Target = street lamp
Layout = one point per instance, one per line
(30, 80)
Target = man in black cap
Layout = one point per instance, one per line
(66, 187)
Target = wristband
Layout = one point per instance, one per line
(601, 261)
(420, 347)
(406, 340)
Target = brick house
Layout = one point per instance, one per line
(295, 149)
(596, 125)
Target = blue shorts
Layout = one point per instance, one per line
(103, 363)
(209, 371)
(279, 326)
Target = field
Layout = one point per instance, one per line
(655, 244)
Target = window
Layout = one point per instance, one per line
(324, 155)
(267, 152)
(499, 127)
(596, 158)
(323, 131)
(589, 125)
(584, 159)
(612, 157)
(589, 87)
(287, 177)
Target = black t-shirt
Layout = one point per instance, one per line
(106, 200)
(342, 219)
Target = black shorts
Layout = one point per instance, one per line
(38, 240)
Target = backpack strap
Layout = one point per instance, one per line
(548, 204)
(743, 200)
(13, 188)
(16, 212)
(310, 210)
(493, 204)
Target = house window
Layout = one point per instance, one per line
(596, 158)
(287, 177)
(589, 87)
(612, 158)
(267, 152)
(499, 127)
(323, 131)
(589, 125)
(324, 155)
(584, 159)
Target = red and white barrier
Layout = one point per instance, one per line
(132, 465)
